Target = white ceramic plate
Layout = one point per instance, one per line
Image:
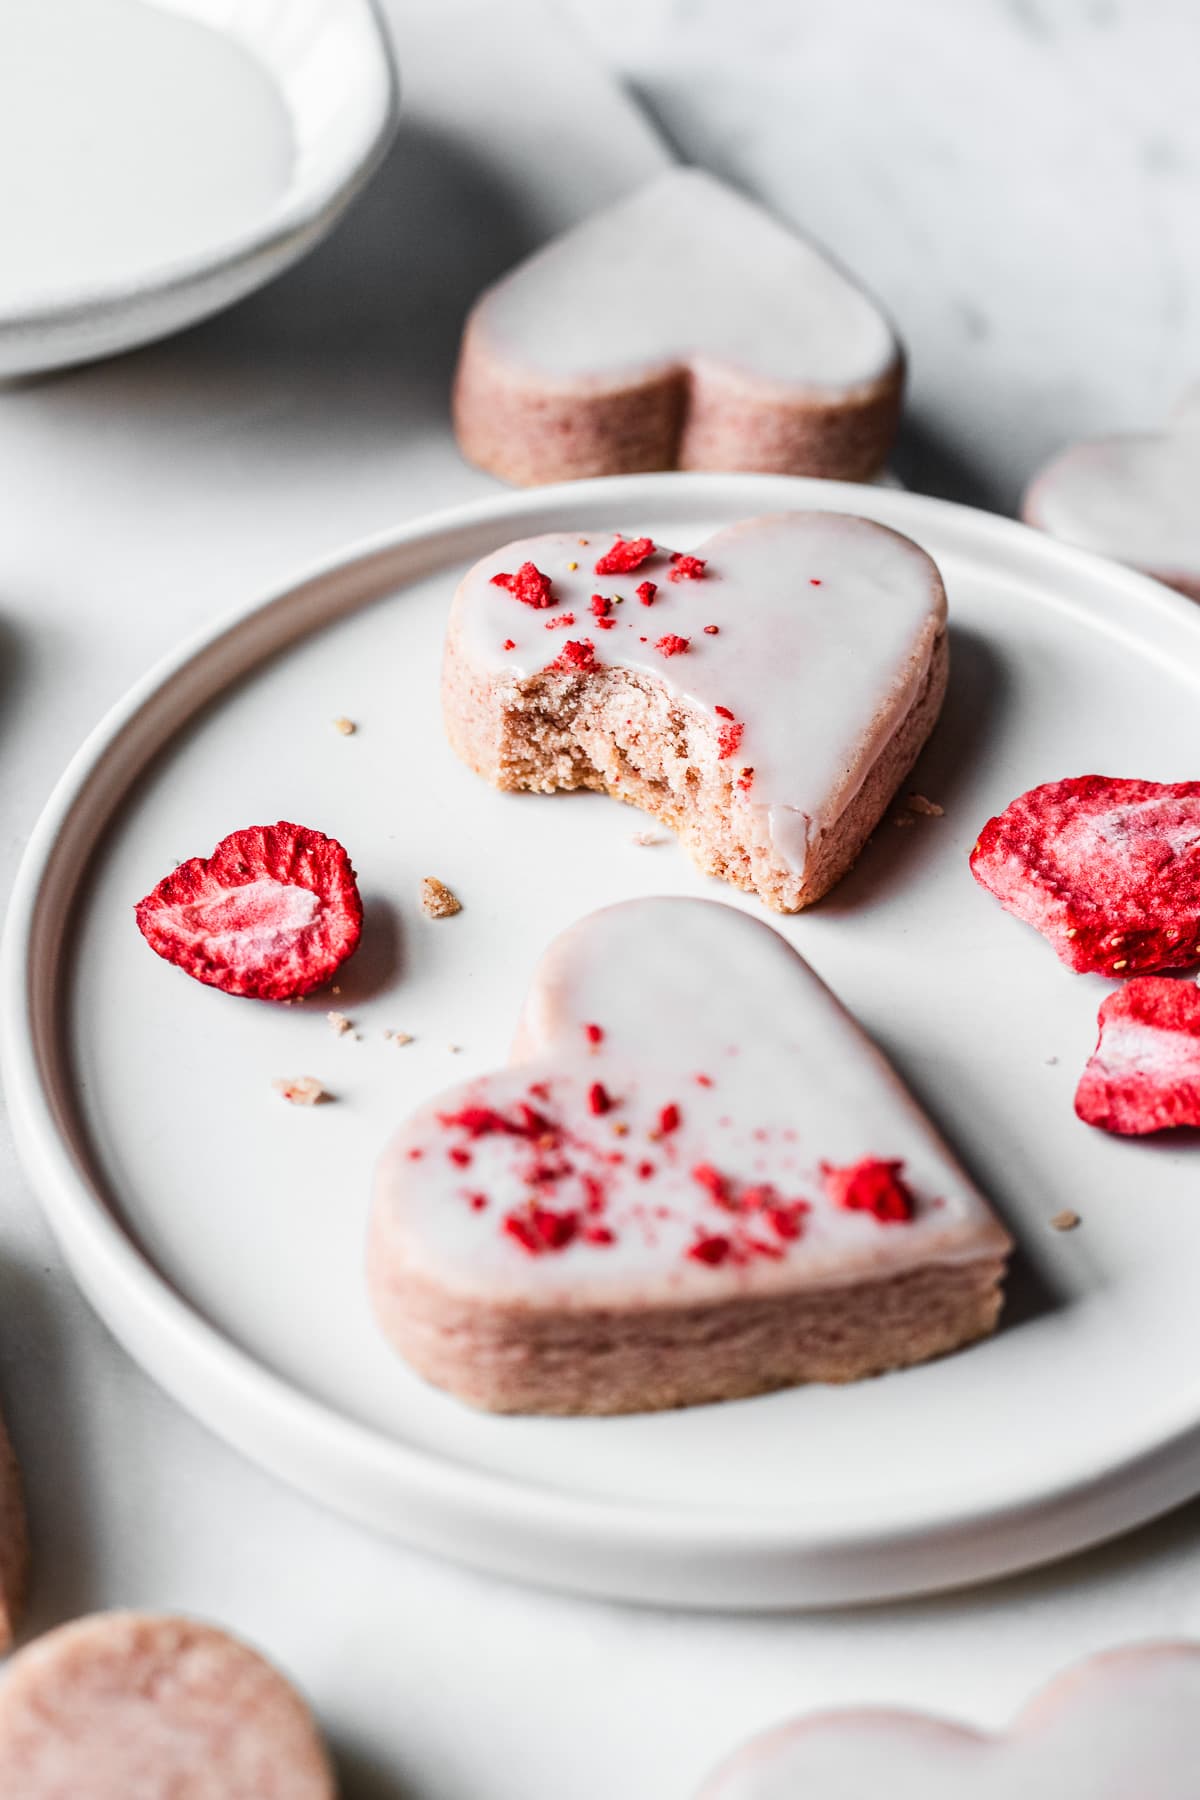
(168, 156)
(220, 1232)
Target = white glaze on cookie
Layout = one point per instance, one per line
(826, 627)
(1131, 497)
(684, 271)
(699, 1007)
(1123, 1726)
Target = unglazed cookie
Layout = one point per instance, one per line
(14, 1543)
(127, 1706)
(682, 328)
(764, 695)
(1132, 497)
(1121, 1726)
(696, 1180)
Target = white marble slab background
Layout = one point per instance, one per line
(1018, 180)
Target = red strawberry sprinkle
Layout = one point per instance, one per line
(528, 585)
(598, 1099)
(575, 657)
(646, 591)
(687, 568)
(672, 644)
(625, 555)
(871, 1186)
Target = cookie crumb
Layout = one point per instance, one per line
(399, 1038)
(438, 900)
(346, 727)
(1065, 1221)
(927, 809)
(300, 1090)
(643, 838)
(339, 1023)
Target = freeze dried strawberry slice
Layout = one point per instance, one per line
(271, 913)
(1107, 870)
(1144, 1074)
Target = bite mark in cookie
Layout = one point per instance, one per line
(772, 747)
(697, 1179)
(682, 328)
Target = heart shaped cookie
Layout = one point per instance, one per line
(764, 696)
(697, 1179)
(682, 328)
(1121, 1726)
(132, 1706)
(1132, 497)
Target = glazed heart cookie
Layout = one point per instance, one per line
(682, 328)
(697, 1179)
(1121, 1726)
(1133, 498)
(134, 1706)
(763, 695)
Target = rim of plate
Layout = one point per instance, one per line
(207, 1373)
(304, 209)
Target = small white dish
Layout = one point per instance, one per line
(220, 1232)
(165, 157)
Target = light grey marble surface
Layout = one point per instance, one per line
(1017, 180)
(1019, 183)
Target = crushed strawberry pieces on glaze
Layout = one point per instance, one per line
(1144, 1074)
(711, 1249)
(598, 1099)
(271, 914)
(1107, 869)
(539, 1228)
(562, 622)
(594, 1034)
(601, 606)
(528, 585)
(672, 644)
(577, 656)
(486, 1121)
(712, 630)
(745, 780)
(669, 1119)
(646, 591)
(729, 735)
(873, 1186)
(687, 568)
(508, 644)
(626, 554)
